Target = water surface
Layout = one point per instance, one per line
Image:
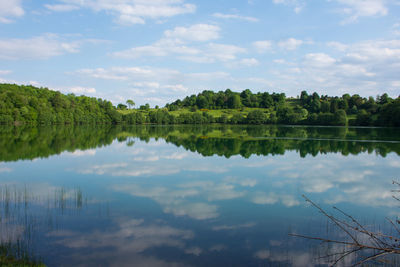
(189, 195)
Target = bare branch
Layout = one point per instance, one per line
(377, 255)
(378, 243)
(333, 219)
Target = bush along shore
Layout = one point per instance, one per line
(21, 104)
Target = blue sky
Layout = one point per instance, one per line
(154, 51)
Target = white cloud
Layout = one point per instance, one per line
(318, 60)
(5, 72)
(262, 46)
(126, 240)
(374, 51)
(233, 227)
(152, 78)
(41, 47)
(147, 159)
(290, 44)
(223, 52)
(174, 201)
(234, 16)
(61, 8)
(130, 11)
(338, 46)
(82, 153)
(177, 88)
(263, 198)
(176, 43)
(197, 32)
(121, 73)
(198, 211)
(355, 9)
(5, 169)
(165, 47)
(249, 62)
(147, 84)
(82, 90)
(297, 5)
(10, 8)
(363, 68)
(161, 48)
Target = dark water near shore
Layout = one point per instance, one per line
(190, 195)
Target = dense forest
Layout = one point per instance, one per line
(40, 106)
(31, 105)
(27, 142)
(308, 109)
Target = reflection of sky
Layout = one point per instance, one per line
(169, 206)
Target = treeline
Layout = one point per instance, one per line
(382, 111)
(28, 143)
(229, 100)
(307, 110)
(32, 105)
(41, 106)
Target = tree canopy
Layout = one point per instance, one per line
(21, 104)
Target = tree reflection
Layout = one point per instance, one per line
(18, 143)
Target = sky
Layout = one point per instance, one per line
(155, 51)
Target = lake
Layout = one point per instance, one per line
(190, 195)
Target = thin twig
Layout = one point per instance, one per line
(377, 255)
(345, 254)
(331, 218)
(376, 240)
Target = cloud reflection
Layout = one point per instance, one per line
(124, 243)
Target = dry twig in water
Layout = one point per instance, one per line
(371, 245)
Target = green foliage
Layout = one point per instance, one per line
(363, 118)
(390, 114)
(340, 118)
(26, 142)
(145, 107)
(256, 117)
(228, 100)
(130, 103)
(122, 107)
(234, 101)
(31, 105)
(237, 118)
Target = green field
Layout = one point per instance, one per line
(216, 113)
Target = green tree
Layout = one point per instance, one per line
(130, 103)
(256, 117)
(121, 106)
(234, 101)
(340, 117)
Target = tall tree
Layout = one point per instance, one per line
(130, 103)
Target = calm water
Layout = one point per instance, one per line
(190, 195)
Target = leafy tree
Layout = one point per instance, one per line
(256, 117)
(121, 106)
(130, 103)
(234, 101)
(340, 117)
